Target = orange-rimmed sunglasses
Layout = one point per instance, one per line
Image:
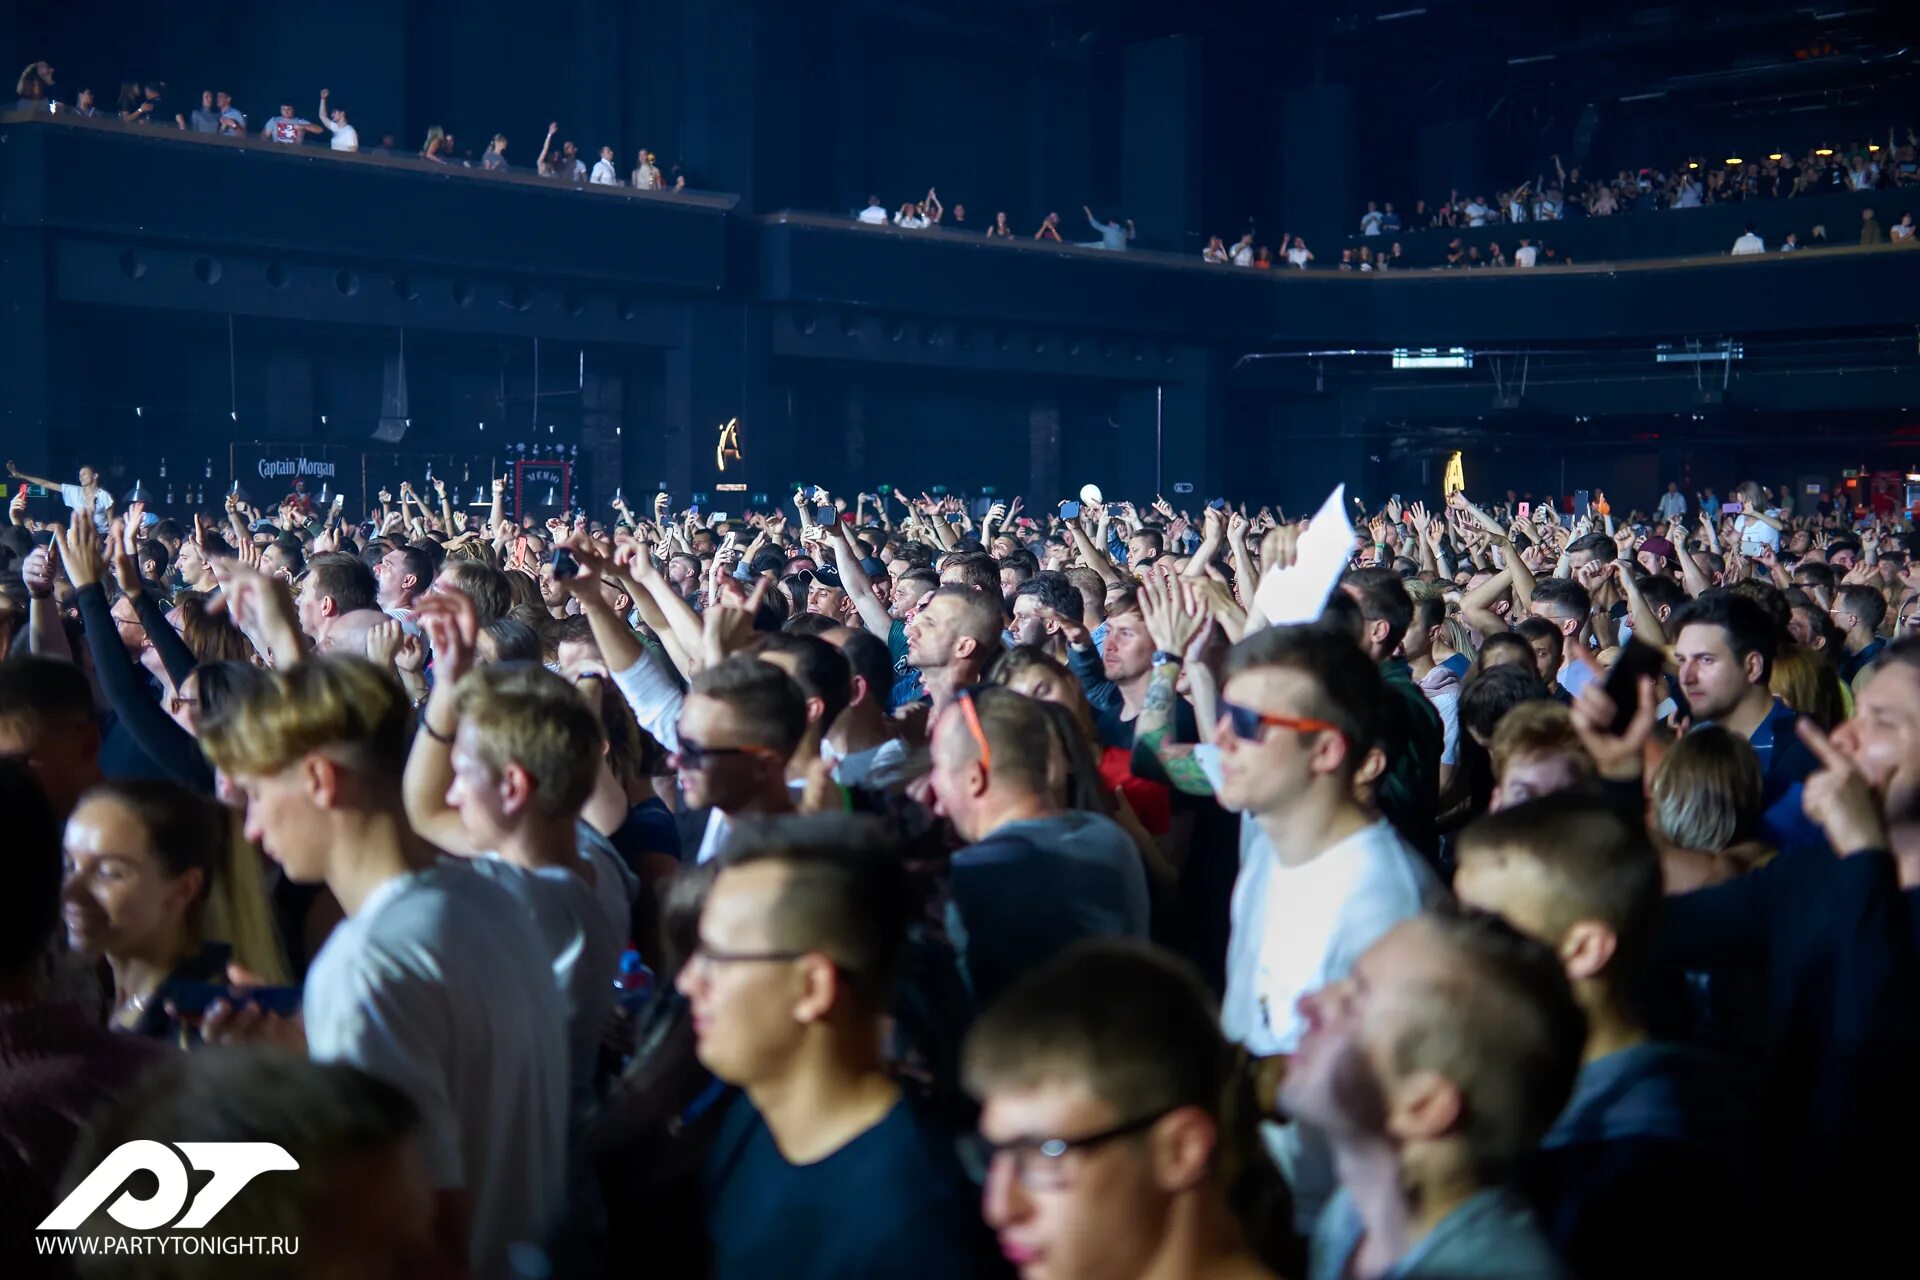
(965, 698)
(1247, 723)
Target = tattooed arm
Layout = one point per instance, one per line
(1152, 752)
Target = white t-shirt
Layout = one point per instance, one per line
(910, 221)
(1242, 255)
(1476, 214)
(345, 136)
(584, 951)
(1294, 930)
(874, 215)
(1756, 535)
(603, 174)
(76, 499)
(1319, 916)
(876, 767)
(1370, 222)
(1749, 243)
(1298, 257)
(1525, 255)
(441, 986)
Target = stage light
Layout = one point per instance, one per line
(1775, 155)
(1735, 160)
(1693, 164)
(1823, 151)
(1873, 146)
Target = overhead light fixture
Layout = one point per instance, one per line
(1399, 13)
(1735, 160)
(1776, 155)
(1823, 151)
(1643, 97)
(1693, 164)
(1432, 358)
(1538, 57)
(1873, 146)
(1717, 353)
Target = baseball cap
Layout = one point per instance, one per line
(1659, 546)
(825, 575)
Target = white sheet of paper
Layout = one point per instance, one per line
(1299, 594)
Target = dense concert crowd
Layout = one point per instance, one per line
(885, 886)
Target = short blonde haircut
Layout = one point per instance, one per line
(1534, 729)
(1709, 792)
(526, 715)
(345, 705)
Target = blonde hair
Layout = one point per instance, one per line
(1708, 793)
(1805, 681)
(334, 702)
(526, 715)
(1534, 729)
(238, 912)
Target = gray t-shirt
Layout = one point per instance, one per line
(1493, 1236)
(441, 986)
(584, 950)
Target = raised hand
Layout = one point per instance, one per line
(1170, 614)
(125, 571)
(383, 642)
(1839, 798)
(1620, 757)
(727, 625)
(40, 570)
(80, 550)
(1280, 548)
(453, 629)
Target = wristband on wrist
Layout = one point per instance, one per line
(426, 727)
